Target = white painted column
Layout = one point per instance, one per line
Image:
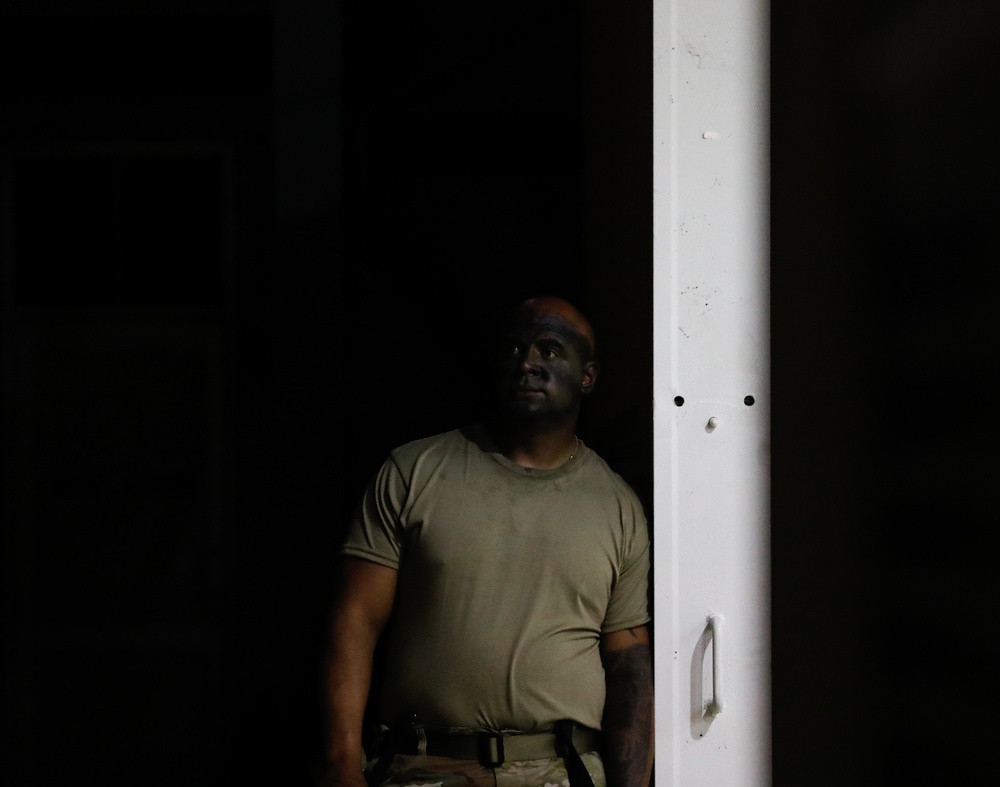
(711, 353)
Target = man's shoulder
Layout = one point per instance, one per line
(599, 465)
(443, 443)
(601, 472)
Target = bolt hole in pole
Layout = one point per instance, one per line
(679, 401)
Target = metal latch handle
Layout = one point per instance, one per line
(716, 706)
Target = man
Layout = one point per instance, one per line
(514, 564)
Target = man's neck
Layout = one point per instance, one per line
(536, 448)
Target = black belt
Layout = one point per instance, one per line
(495, 748)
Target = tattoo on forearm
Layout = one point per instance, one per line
(628, 715)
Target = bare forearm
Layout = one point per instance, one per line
(626, 738)
(349, 672)
(364, 602)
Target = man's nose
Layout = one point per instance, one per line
(529, 361)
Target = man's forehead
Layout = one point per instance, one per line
(547, 326)
(537, 323)
(554, 315)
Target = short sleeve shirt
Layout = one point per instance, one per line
(507, 578)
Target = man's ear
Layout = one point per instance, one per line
(590, 371)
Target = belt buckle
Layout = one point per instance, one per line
(491, 749)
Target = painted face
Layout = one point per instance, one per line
(542, 373)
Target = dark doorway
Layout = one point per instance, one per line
(243, 245)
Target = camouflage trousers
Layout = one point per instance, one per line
(415, 770)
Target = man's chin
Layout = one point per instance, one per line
(520, 409)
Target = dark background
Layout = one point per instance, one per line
(250, 246)
(884, 291)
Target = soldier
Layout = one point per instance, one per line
(514, 565)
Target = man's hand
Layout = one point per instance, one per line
(337, 776)
(627, 726)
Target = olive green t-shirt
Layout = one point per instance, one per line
(507, 577)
